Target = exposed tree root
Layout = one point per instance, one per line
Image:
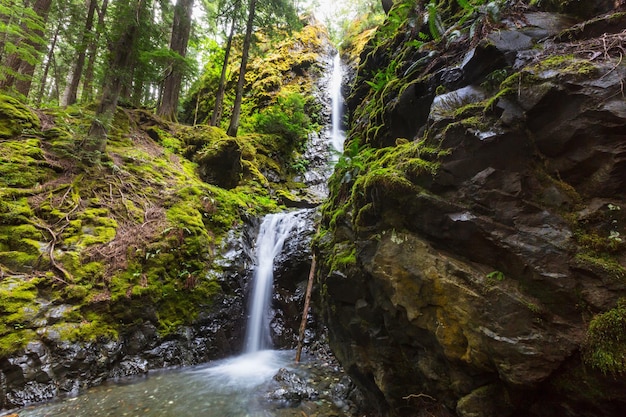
(66, 277)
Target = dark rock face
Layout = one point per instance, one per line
(470, 286)
(291, 272)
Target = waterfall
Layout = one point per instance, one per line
(336, 81)
(274, 230)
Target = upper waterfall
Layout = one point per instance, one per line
(336, 83)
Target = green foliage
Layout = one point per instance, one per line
(435, 25)
(605, 344)
(383, 77)
(286, 118)
(496, 275)
(19, 28)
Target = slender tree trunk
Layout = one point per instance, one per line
(181, 28)
(49, 58)
(23, 68)
(57, 80)
(122, 56)
(234, 120)
(71, 90)
(216, 116)
(87, 94)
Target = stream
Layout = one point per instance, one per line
(261, 382)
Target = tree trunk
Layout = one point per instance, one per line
(216, 116)
(234, 120)
(387, 4)
(71, 90)
(181, 28)
(87, 94)
(49, 58)
(122, 56)
(23, 68)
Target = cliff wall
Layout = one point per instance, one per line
(473, 255)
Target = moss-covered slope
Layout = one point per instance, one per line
(139, 231)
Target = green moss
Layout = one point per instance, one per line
(16, 299)
(21, 246)
(605, 344)
(93, 226)
(22, 163)
(566, 64)
(12, 342)
(602, 264)
(14, 211)
(344, 257)
(15, 117)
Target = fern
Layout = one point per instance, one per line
(435, 26)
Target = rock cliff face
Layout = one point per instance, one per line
(473, 253)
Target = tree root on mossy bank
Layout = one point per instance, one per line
(66, 277)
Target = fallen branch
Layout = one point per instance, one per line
(408, 397)
(305, 311)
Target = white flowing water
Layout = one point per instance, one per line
(272, 234)
(336, 97)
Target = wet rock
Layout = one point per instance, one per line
(292, 389)
(481, 61)
(444, 105)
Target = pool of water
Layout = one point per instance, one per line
(242, 386)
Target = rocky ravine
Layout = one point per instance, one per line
(52, 364)
(473, 253)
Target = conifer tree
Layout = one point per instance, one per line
(23, 42)
(123, 52)
(181, 29)
(71, 89)
(92, 53)
(234, 120)
(221, 88)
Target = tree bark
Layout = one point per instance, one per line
(387, 4)
(87, 94)
(181, 28)
(122, 56)
(234, 120)
(71, 91)
(216, 116)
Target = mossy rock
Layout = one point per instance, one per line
(605, 346)
(15, 117)
(219, 163)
